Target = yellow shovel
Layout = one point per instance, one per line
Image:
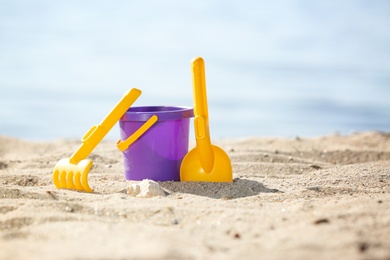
(205, 162)
(72, 173)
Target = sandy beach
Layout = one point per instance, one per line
(300, 198)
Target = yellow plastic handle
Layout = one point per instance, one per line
(201, 122)
(140, 131)
(97, 132)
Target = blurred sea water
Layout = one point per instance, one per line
(280, 68)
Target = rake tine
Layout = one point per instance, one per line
(63, 180)
(84, 181)
(69, 181)
(77, 183)
(56, 179)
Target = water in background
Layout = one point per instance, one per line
(273, 68)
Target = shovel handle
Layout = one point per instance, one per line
(97, 132)
(199, 89)
(203, 145)
(201, 122)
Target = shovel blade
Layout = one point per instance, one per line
(72, 176)
(191, 168)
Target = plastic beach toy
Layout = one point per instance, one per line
(205, 162)
(123, 145)
(72, 173)
(158, 153)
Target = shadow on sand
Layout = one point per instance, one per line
(239, 188)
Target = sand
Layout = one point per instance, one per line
(299, 198)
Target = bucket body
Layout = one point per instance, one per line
(158, 153)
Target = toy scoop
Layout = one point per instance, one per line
(205, 162)
(72, 173)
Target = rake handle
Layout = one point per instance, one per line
(97, 132)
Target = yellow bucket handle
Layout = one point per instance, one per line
(123, 145)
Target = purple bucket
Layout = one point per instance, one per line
(158, 153)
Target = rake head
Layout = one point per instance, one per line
(67, 175)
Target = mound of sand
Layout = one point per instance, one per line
(318, 198)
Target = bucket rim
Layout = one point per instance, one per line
(143, 113)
